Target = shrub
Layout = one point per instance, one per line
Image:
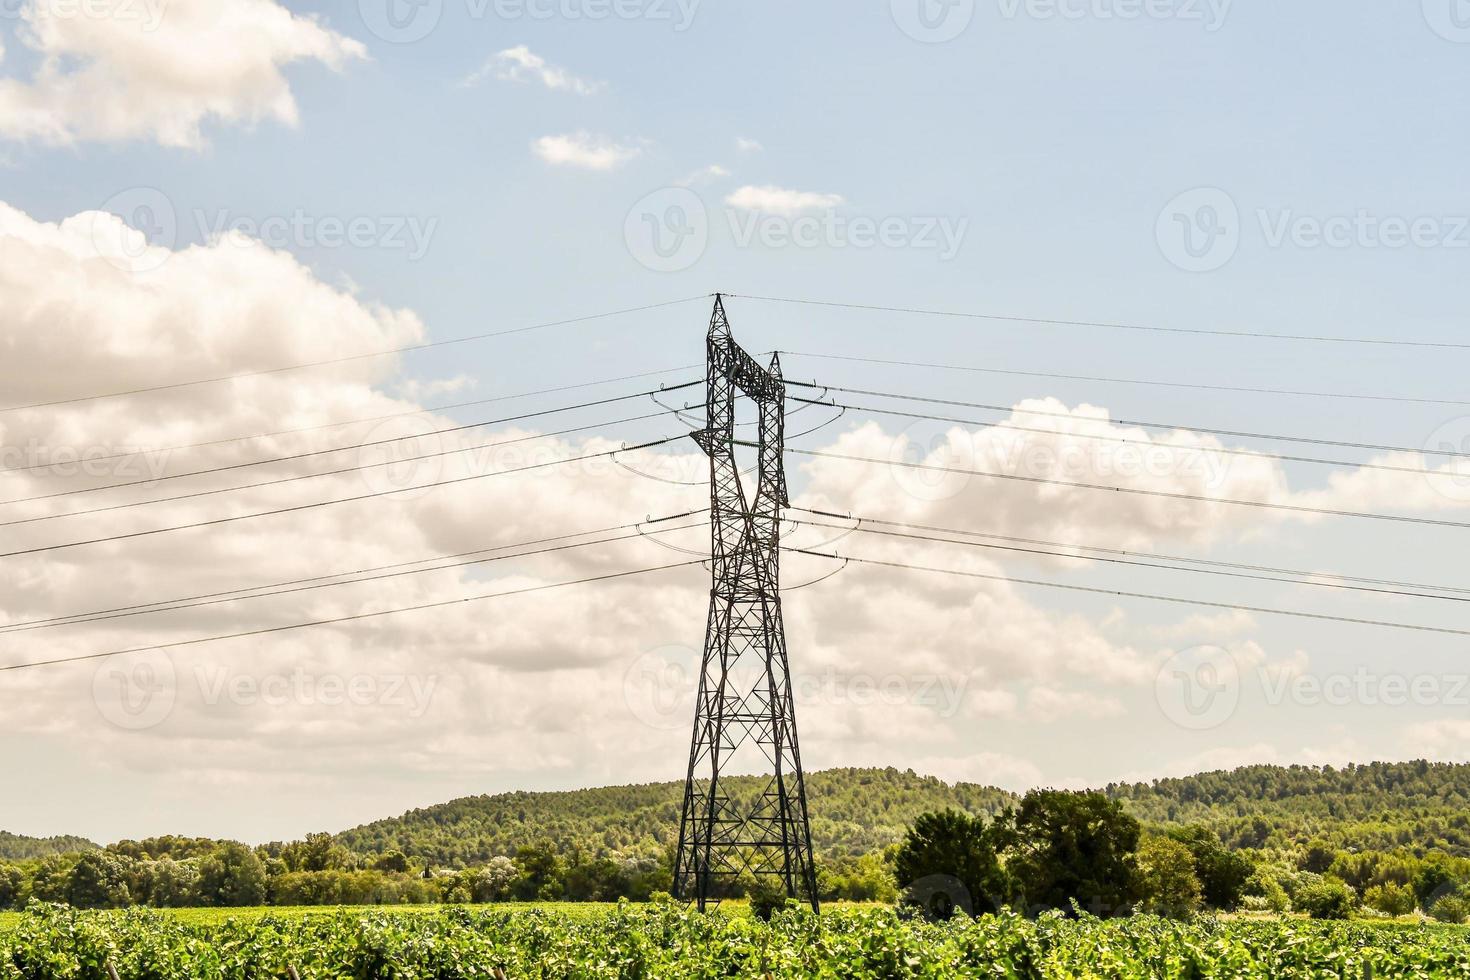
(1451, 908)
(767, 895)
(1329, 898)
(1391, 899)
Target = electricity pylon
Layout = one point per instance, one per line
(744, 701)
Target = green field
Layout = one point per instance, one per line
(631, 941)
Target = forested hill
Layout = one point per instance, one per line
(1418, 805)
(16, 848)
(853, 811)
(1377, 806)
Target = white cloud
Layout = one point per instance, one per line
(779, 200)
(583, 150)
(705, 175)
(520, 64)
(747, 145)
(927, 671)
(115, 70)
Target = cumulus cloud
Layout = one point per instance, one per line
(382, 713)
(521, 64)
(117, 70)
(780, 200)
(583, 151)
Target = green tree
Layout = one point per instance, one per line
(541, 872)
(99, 880)
(959, 846)
(1451, 908)
(1076, 847)
(1167, 883)
(232, 876)
(394, 862)
(12, 884)
(1222, 873)
(1330, 898)
(1391, 899)
(1318, 857)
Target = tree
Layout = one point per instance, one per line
(1166, 879)
(232, 876)
(1318, 857)
(99, 880)
(1391, 899)
(12, 881)
(959, 846)
(1330, 898)
(394, 862)
(1451, 908)
(1222, 873)
(52, 878)
(1076, 847)
(541, 872)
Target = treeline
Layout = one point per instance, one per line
(1083, 852)
(1381, 806)
(853, 812)
(175, 872)
(1390, 838)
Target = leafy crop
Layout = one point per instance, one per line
(56, 943)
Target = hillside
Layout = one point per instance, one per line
(16, 848)
(853, 811)
(1376, 806)
(1379, 806)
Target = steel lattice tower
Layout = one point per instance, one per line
(744, 699)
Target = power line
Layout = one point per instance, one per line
(341, 500)
(342, 449)
(322, 581)
(17, 470)
(1295, 508)
(1010, 426)
(337, 472)
(1165, 426)
(1102, 324)
(351, 357)
(1134, 595)
(1129, 558)
(1130, 381)
(345, 619)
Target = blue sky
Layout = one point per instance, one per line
(1067, 146)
